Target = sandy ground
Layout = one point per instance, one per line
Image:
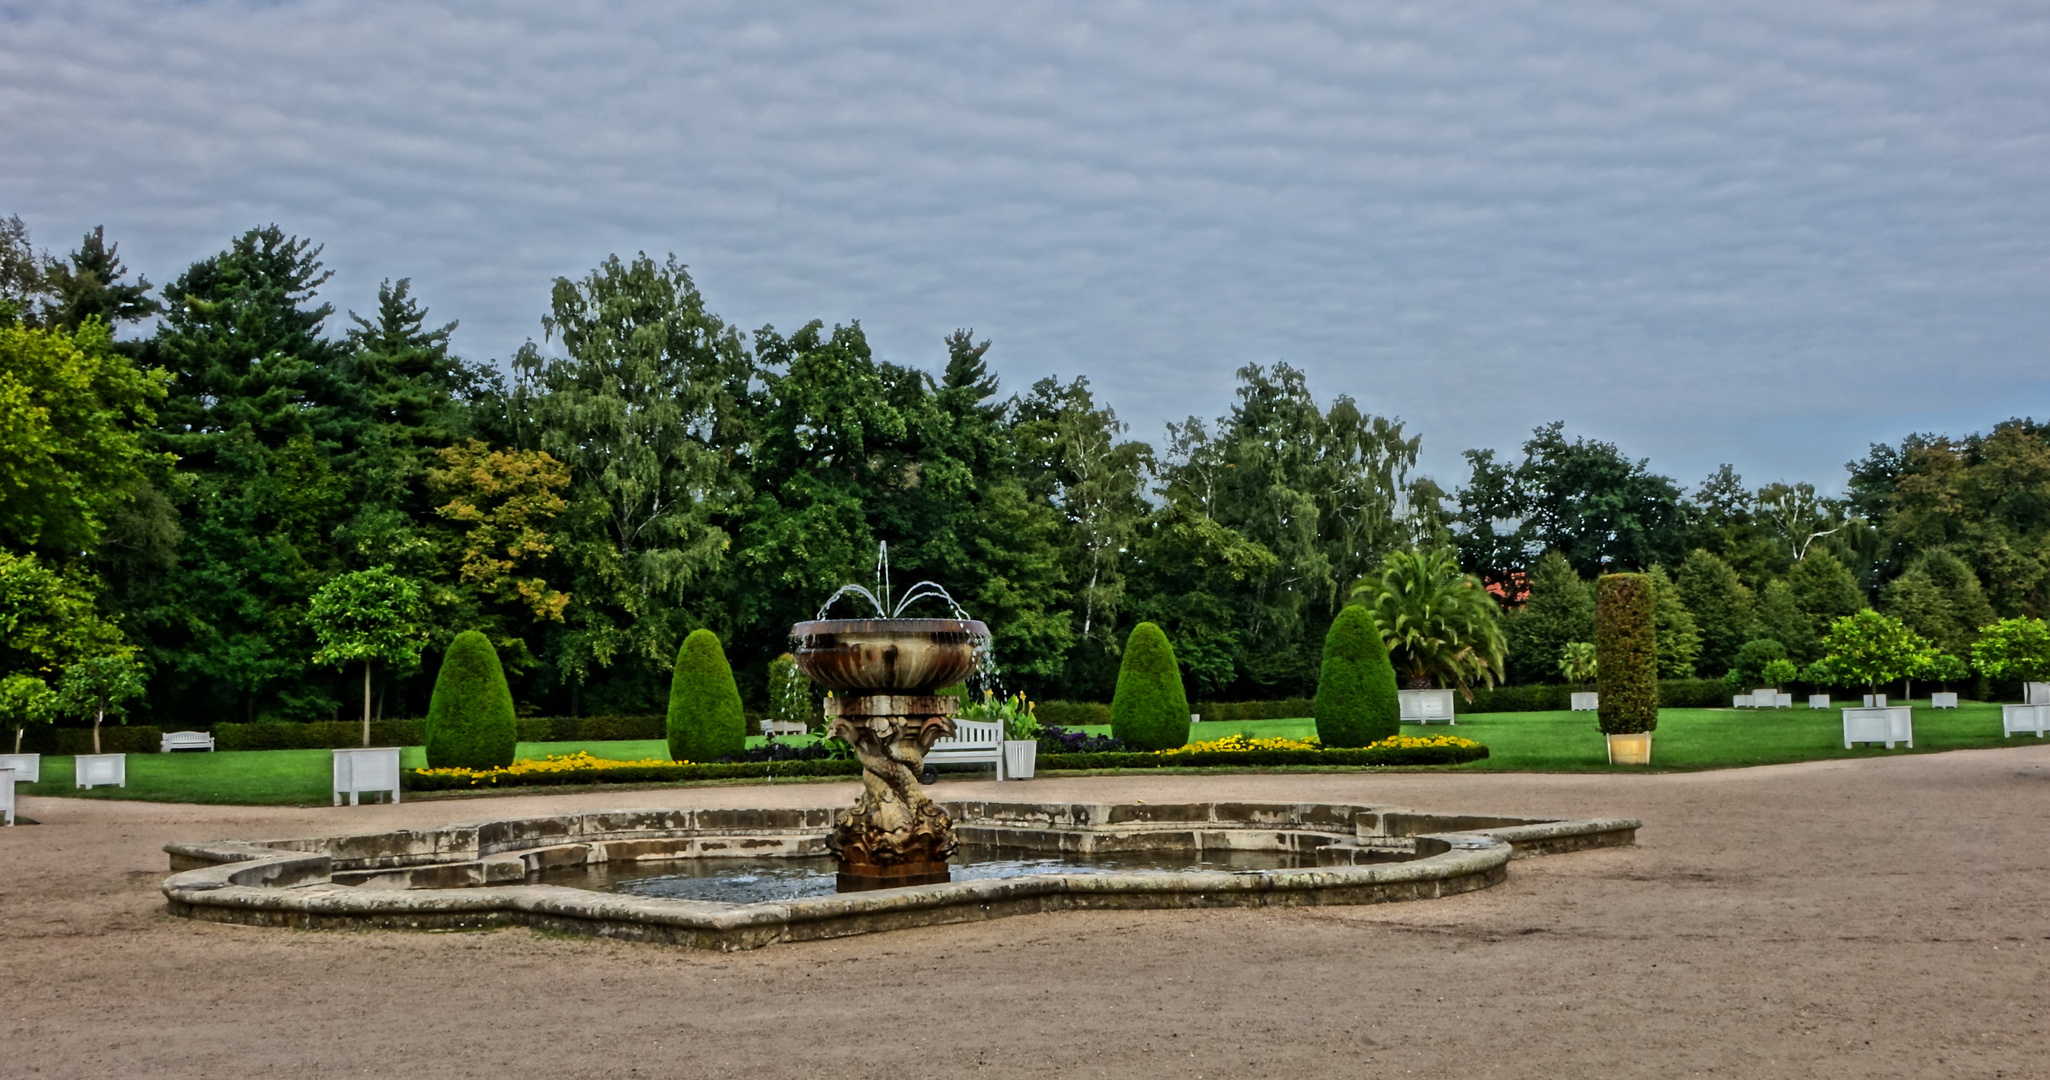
(1841, 919)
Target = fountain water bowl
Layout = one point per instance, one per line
(883, 673)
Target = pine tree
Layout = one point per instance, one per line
(1557, 611)
(1150, 710)
(1723, 609)
(1357, 702)
(88, 285)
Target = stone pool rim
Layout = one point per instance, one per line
(472, 876)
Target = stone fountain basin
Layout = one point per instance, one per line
(904, 655)
(474, 876)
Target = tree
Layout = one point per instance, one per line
(1150, 710)
(24, 700)
(1357, 703)
(99, 686)
(1723, 609)
(501, 506)
(21, 273)
(471, 722)
(2016, 648)
(1748, 670)
(705, 718)
(1579, 663)
(1678, 640)
(1824, 590)
(88, 285)
(1436, 623)
(1869, 648)
(1781, 619)
(1581, 498)
(369, 616)
(1626, 654)
(1777, 672)
(1557, 609)
(1095, 478)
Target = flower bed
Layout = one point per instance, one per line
(1237, 750)
(582, 768)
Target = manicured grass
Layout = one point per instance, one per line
(1537, 741)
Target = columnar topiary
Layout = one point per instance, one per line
(1150, 710)
(1626, 654)
(705, 721)
(470, 719)
(1356, 699)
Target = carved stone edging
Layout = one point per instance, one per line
(403, 879)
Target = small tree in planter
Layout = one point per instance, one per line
(25, 700)
(471, 722)
(2016, 649)
(705, 718)
(1356, 703)
(1942, 668)
(1627, 665)
(371, 616)
(100, 686)
(1870, 649)
(1778, 672)
(1579, 664)
(1748, 669)
(1150, 708)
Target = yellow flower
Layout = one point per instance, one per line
(580, 761)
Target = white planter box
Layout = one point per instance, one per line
(1019, 757)
(2015, 718)
(1887, 725)
(1875, 701)
(2036, 693)
(93, 770)
(1818, 701)
(1587, 701)
(1740, 701)
(28, 768)
(7, 795)
(370, 768)
(1943, 701)
(1424, 706)
(1786, 700)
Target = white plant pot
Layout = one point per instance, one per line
(93, 770)
(1019, 757)
(28, 768)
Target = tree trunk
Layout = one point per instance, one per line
(18, 729)
(98, 715)
(366, 703)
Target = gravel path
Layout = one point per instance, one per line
(1837, 919)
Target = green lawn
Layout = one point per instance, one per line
(1544, 741)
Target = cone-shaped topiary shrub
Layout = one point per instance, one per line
(1626, 654)
(1150, 711)
(705, 721)
(470, 720)
(1356, 701)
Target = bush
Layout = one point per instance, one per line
(705, 718)
(1073, 714)
(1626, 649)
(1284, 709)
(321, 735)
(138, 739)
(1747, 671)
(470, 719)
(1356, 703)
(1150, 710)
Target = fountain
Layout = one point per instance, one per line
(882, 673)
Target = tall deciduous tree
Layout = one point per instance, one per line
(368, 617)
(1724, 610)
(1558, 609)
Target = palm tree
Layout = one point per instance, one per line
(1440, 625)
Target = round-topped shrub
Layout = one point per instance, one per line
(1150, 710)
(470, 718)
(705, 720)
(1356, 699)
(1626, 655)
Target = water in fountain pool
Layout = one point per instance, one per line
(749, 881)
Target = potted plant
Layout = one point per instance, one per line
(1021, 730)
(1626, 666)
(1777, 672)
(1580, 665)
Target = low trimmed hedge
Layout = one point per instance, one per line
(1284, 709)
(114, 739)
(414, 780)
(1673, 694)
(329, 735)
(1366, 755)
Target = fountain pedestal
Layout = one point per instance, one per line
(882, 673)
(894, 834)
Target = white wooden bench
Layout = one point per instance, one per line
(1880, 724)
(366, 769)
(1818, 701)
(187, 740)
(1424, 706)
(1587, 701)
(1943, 701)
(973, 741)
(2015, 718)
(773, 728)
(28, 768)
(7, 777)
(93, 770)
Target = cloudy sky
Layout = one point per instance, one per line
(1767, 232)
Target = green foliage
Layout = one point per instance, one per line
(1626, 644)
(1782, 620)
(1722, 607)
(471, 723)
(2016, 649)
(705, 718)
(1870, 648)
(99, 686)
(1679, 640)
(1942, 667)
(369, 615)
(1777, 672)
(1749, 667)
(1439, 624)
(1824, 590)
(1557, 610)
(790, 699)
(1939, 598)
(1150, 710)
(1016, 713)
(24, 700)
(1579, 662)
(1356, 703)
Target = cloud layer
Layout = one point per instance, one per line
(1758, 232)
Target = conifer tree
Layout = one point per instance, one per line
(1357, 702)
(1557, 611)
(1724, 610)
(471, 723)
(705, 718)
(1150, 710)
